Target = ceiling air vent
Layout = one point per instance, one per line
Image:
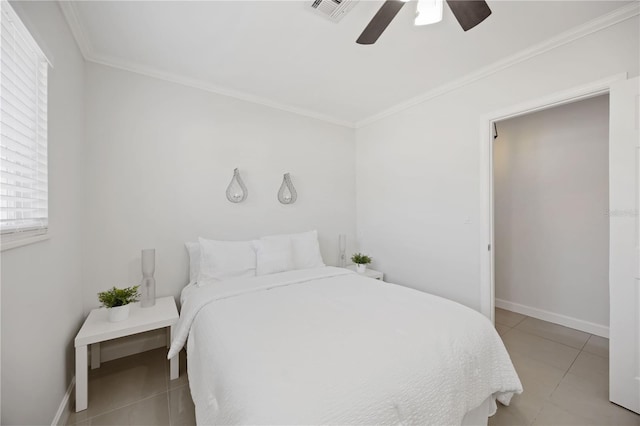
(333, 9)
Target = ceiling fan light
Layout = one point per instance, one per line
(428, 12)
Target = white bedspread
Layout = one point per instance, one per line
(329, 346)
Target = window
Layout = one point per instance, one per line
(23, 127)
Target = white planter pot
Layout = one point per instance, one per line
(118, 313)
(361, 269)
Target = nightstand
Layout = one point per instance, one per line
(376, 275)
(97, 328)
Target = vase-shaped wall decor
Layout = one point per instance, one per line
(236, 191)
(342, 250)
(287, 193)
(148, 285)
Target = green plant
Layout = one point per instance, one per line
(360, 259)
(118, 296)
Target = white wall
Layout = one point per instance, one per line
(551, 192)
(41, 285)
(417, 176)
(159, 157)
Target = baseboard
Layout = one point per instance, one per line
(111, 350)
(64, 410)
(575, 323)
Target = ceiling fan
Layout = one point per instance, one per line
(469, 13)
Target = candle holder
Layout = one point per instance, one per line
(287, 193)
(236, 191)
(148, 285)
(342, 250)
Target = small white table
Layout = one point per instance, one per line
(376, 275)
(97, 328)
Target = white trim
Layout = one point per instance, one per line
(198, 84)
(573, 94)
(487, 283)
(487, 246)
(571, 322)
(71, 15)
(26, 25)
(561, 39)
(25, 241)
(64, 410)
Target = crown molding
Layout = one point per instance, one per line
(71, 14)
(612, 18)
(202, 85)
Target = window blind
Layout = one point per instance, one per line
(23, 128)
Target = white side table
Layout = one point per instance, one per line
(376, 275)
(97, 328)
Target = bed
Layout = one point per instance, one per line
(328, 346)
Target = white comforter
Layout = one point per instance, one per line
(330, 346)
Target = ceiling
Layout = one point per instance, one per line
(283, 54)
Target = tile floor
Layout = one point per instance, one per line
(136, 390)
(564, 373)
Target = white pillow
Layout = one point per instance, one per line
(225, 259)
(306, 250)
(273, 256)
(194, 260)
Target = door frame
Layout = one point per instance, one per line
(487, 258)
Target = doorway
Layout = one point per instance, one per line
(551, 227)
(487, 241)
(624, 223)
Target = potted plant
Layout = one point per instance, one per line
(117, 301)
(361, 260)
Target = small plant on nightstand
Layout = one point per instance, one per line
(361, 260)
(117, 301)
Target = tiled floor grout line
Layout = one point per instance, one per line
(169, 408)
(586, 341)
(135, 402)
(167, 381)
(581, 349)
(524, 331)
(565, 373)
(520, 322)
(551, 340)
(547, 398)
(598, 355)
(539, 411)
(120, 407)
(553, 403)
(510, 328)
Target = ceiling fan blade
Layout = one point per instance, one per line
(469, 13)
(380, 21)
